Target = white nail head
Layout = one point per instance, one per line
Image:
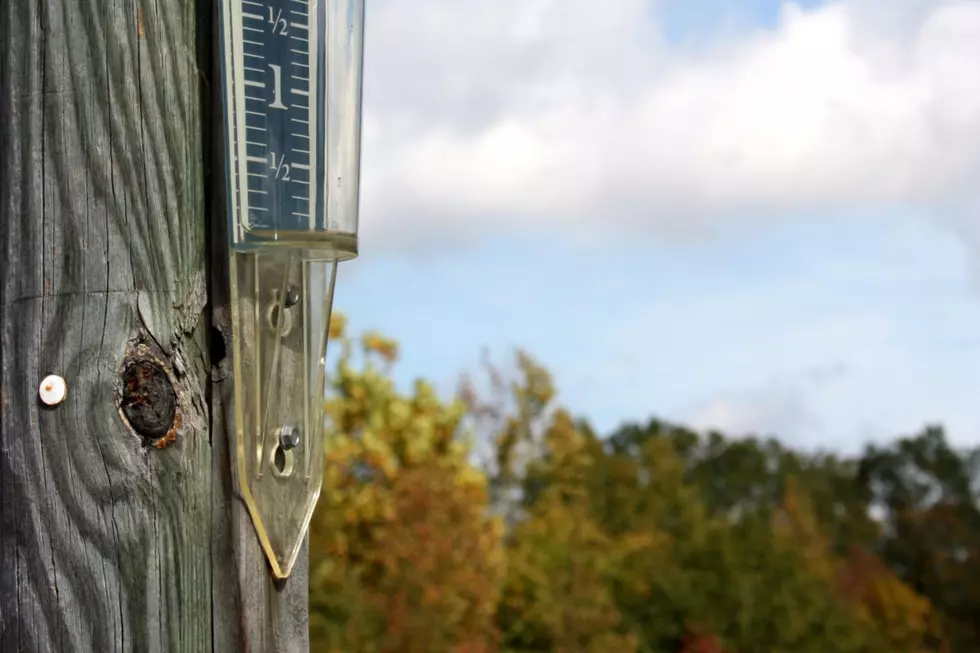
(53, 390)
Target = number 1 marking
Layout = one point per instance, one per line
(276, 87)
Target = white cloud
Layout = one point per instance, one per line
(769, 411)
(524, 114)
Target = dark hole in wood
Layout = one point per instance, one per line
(149, 399)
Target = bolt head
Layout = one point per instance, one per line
(292, 296)
(289, 437)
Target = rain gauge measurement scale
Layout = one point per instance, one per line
(291, 74)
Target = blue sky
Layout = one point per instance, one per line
(819, 286)
(683, 21)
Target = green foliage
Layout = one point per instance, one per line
(562, 564)
(655, 539)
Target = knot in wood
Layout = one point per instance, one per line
(149, 400)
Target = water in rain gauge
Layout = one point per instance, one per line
(291, 71)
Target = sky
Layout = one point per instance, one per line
(756, 216)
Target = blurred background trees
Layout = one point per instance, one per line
(497, 521)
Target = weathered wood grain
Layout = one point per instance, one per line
(106, 543)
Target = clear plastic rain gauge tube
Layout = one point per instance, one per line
(291, 71)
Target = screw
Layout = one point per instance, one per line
(288, 437)
(292, 297)
(53, 390)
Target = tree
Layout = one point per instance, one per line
(753, 569)
(907, 621)
(883, 614)
(512, 422)
(926, 493)
(403, 554)
(657, 539)
(560, 562)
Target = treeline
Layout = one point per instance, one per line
(498, 522)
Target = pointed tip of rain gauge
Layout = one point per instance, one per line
(281, 60)
(283, 306)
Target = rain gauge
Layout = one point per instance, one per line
(291, 75)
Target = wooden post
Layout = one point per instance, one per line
(120, 526)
